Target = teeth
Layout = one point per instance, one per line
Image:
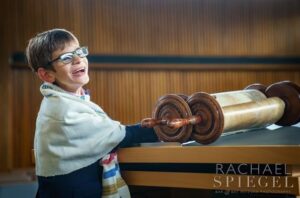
(79, 70)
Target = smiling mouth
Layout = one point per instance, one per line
(79, 71)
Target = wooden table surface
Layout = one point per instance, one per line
(275, 152)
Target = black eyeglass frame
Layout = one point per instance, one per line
(75, 52)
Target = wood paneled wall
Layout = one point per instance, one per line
(175, 27)
(142, 27)
(127, 95)
(6, 36)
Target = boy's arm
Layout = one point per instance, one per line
(137, 134)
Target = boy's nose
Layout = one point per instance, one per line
(76, 59)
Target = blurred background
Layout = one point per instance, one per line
(141, 50)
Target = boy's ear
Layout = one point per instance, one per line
(46, 75)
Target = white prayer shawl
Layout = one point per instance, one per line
(113, 184)
(71, 132)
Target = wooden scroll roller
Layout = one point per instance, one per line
(204, 117)
(289, 92)
(165, 116)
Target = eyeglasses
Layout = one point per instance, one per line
(68, 57)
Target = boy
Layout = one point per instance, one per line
(74, 137)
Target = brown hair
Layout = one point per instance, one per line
(40, 48)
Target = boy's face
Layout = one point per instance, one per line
(71, 76)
